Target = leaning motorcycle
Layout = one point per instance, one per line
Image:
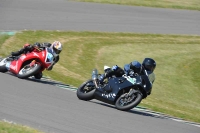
(29, 64)
(124, 92)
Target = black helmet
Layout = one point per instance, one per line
(136, 66)
(149, 64)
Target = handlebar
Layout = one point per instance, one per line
(37, 48)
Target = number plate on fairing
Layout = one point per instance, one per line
(132, 80)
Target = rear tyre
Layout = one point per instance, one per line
(125, 103)
(3, 65)
(28, 71)
(86, 90)
(3, 69)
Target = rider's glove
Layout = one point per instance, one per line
(114, 68)
(50, 67)
(131, 73)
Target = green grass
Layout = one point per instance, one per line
(14, 128)
(3, 38)
(176, 89)
(175, 4)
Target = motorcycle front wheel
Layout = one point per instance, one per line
(125, 102)
(28, 71)
(86, 90)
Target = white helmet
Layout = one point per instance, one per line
(56, 47)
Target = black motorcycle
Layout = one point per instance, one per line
(124, 92)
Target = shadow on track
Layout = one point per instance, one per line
(46, 80)
(137, 110)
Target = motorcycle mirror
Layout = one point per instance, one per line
(94, 74)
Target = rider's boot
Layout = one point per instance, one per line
(17, 53)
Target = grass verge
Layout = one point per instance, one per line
(174, 4)
(6, 127)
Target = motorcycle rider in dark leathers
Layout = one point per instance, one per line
(55, 48)
(133, 68)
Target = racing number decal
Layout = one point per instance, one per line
(132, 80)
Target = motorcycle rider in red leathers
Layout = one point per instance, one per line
(55, 48)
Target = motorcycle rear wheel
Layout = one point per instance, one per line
(84, 93)
(3, 66)
(29, 71)
(124, 106)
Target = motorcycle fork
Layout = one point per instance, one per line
(32, 63)
(130, 93)
(95, 82)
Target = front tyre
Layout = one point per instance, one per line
(28, 71)
(86, 90)
(126, 102)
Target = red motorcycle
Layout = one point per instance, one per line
(29, 64)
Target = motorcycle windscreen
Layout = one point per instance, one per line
(151, 76)
(49, 57)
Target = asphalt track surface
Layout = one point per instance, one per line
(77, 16)
(52, 109)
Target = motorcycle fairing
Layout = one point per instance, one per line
(131, 80)
(115, 84)
(16, 65)
(118, 83)
(3, 62)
